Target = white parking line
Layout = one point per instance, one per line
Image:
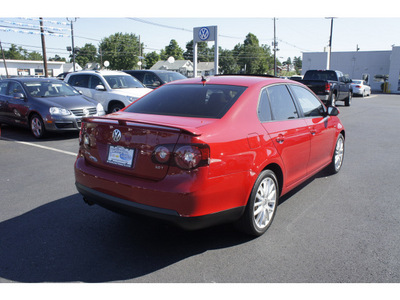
(39, 146)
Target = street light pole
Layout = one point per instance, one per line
(72, 37)
(330, 44)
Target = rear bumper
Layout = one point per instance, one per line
(123, 206)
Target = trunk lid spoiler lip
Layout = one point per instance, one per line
(143, 124)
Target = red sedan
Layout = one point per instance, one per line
(199, 152)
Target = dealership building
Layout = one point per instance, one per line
(375, 67)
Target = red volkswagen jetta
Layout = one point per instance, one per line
(199, 152)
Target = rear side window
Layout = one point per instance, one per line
(3, 87)
(264, 109)
(282, 104)
(209, 101)
(79, 80)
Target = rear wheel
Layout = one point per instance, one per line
(333, 100)
(262, 205)
(37, 126)
(347, 102)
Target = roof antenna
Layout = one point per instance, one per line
(203, 80)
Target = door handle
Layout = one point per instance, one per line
(280, 139)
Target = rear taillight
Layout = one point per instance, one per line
(188, 156)
(358, 86)
(327, 87)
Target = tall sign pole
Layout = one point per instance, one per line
(205, 34)
(328, 65)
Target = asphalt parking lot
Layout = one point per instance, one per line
(341, 228)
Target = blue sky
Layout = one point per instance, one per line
(298, 28)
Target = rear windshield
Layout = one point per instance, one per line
(320, 75)
(209, 101)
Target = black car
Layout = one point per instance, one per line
(154, 78)
(43, 104)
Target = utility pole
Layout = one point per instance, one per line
(4, 59)
(275, 49)
(330, 44)
(72, 37)
(43, 48)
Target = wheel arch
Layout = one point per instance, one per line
(112, 102)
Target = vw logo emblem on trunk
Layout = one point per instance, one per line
(116, 135)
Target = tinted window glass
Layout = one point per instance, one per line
(54, 88)
(14, 87)
(209, 101)
(310, 105)
(3, 87)
(79, 80)
(95, 81)
(264, 109)
(282, 104)
(122, 81)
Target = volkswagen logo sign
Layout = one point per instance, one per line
(204, 33)
(116, 135)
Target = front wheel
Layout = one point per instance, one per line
(262, 205)
(37, 126)
(338, 156)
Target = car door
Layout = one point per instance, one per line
(17, 107)
(320, 126)
(289, 133)
(3, 100)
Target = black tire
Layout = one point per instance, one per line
(338, 156)
(264, 196)
(347, 102)
(115, 107)
(37, 126)
(333, 100)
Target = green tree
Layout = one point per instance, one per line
(15, 52)
(298, 64)
(151, 59)
(121, 50)
(86, 54)
(204, 54)
(34, 56)
(173, 50)
(227, 62)
(253, 58)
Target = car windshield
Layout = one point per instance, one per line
(172, 76)
(122, 82)
(209, 101)
(49, 89)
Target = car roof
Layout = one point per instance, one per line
(152, 71)
(241, 80)
(28, 79)
(101, 72)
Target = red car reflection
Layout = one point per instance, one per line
(199, 152)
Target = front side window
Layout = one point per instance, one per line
(95, 81)
(310, 105)
(14, 87)
(209, 101)
(122, 82)
(282, 104)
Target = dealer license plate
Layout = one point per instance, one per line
(121, 156)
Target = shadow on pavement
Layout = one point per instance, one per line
(67, 241)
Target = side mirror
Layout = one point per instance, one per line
(19, 96)
(100, 87)
(332, 111)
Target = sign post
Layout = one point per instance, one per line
(205, 34)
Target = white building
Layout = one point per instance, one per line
(373, 66)
(35, 68)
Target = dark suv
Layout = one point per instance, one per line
(154, 78)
